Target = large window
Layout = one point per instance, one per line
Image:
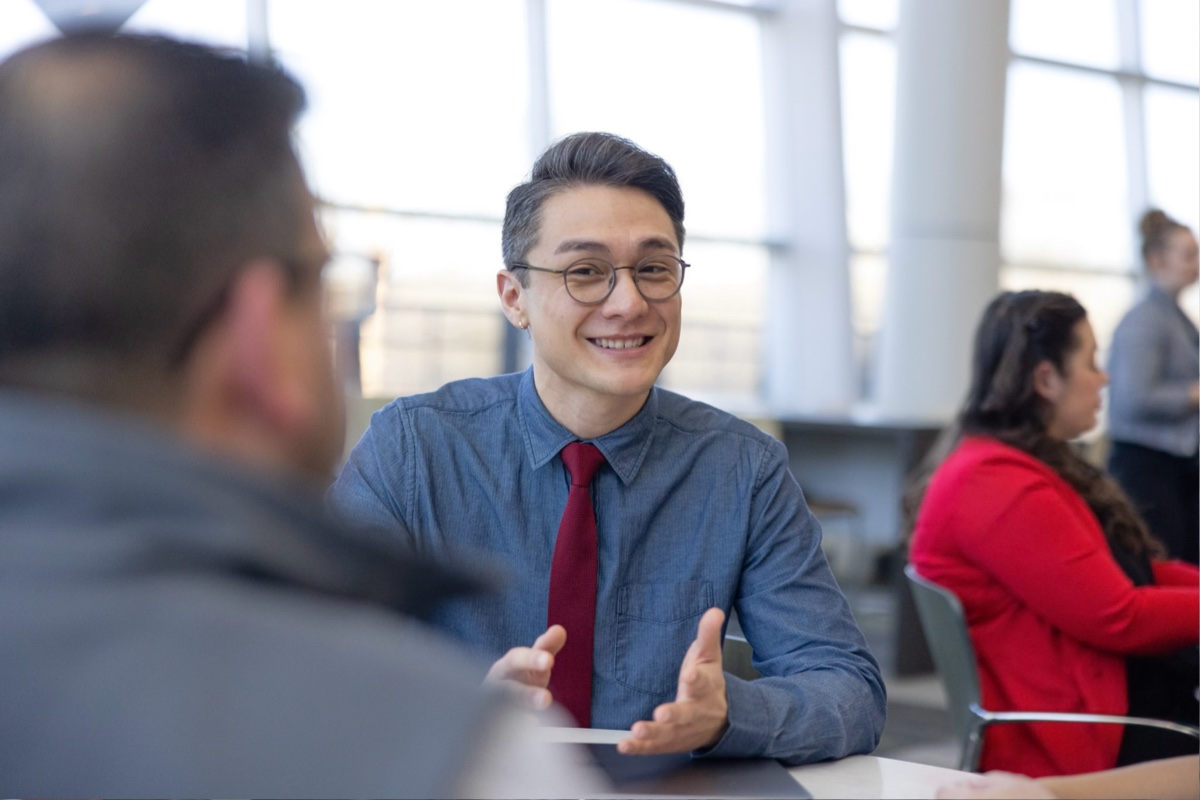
(1081, 32)
(424, 114)
(1065, 197)
(868, 95)
(418, 125)
(1101, 122)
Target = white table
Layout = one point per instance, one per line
(872, 776)
(853, 777)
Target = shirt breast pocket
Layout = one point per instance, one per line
(656, 623)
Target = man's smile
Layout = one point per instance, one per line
(621, 344)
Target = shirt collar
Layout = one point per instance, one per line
(625, 448)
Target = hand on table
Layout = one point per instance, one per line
(700, 712)
(993, 784)
(526, 670)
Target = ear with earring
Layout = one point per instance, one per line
(522, 324)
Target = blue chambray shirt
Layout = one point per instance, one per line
(695, 508)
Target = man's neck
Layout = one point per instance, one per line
(592, 415)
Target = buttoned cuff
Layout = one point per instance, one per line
(748, 714)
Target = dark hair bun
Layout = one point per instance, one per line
(1156, 227)
(1154, 221)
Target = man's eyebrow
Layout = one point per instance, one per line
(586, 245)
(590, 246)
(657, 243)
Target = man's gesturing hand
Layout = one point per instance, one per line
(526, 670)
(700, 712)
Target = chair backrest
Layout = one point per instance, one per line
(737, 657)
(945, 628)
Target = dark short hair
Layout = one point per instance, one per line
(586, 159)
(1018, 331)
(138, 173)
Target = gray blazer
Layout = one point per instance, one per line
(1155, 357)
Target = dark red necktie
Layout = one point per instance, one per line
(573, 585)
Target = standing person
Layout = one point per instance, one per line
(177, 616)
(683, 513)
(1067, 602)
(1153, 418)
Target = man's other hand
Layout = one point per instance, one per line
(700, 713)
(526, 670)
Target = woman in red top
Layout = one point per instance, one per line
(1068, 604)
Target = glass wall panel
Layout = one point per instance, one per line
(1171, 39)
(682, 81)
(1173, 151)
(437, 317)
(879, 14)
(868, 282)
(1076, 31)
(1173, 163)
(412, 105)
(868, 124)
(1065, 195)
(720, 348)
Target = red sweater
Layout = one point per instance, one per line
(1051, 614)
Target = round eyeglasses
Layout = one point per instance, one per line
(590, 281)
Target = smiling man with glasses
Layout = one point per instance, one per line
(630, 519)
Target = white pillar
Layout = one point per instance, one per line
(808, 352)
(944, 254)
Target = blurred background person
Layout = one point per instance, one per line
(1068, 604)
(177, 616)
(1153, 400)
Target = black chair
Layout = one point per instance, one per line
(945, 628)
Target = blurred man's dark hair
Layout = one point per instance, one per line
(138, 175)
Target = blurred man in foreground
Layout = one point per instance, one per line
(176, 617)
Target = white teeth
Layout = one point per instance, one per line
(620, 344)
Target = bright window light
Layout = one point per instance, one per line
(1171, 39)
(216, 22)
(23, 24)
(868, 125)
(688, 86)
(1065, 198)
(1075, 31)
(1173, 152)
(879, 14)
(409, 107)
